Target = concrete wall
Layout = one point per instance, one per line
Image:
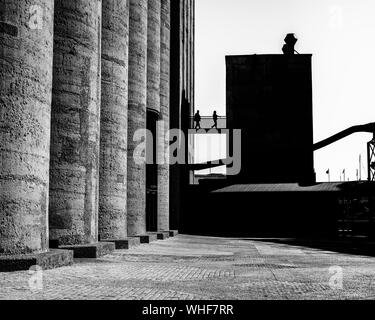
(26, 41)
(137, 94)
(74, 174)
(114, 120)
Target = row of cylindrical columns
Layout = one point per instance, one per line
(75, 87)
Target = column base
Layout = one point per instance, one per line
(173, 233)
(48, 260)
(161, 235)
(127, 243)
(148, 237)
(91, 251)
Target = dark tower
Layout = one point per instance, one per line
(269, 97)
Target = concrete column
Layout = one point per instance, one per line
(136, 189)
(114, 120)
(188, 48)
(175, 96)
(74, 174)
(26, 42)
(153, 55)
(193, 57)
(163, 169)
(181, 79)
(191, 50)
(185, 46)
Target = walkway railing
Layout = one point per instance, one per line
(207, 122)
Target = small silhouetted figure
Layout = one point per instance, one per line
(214, 118)
(197, 120)
(290, 42)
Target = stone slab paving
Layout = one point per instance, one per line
(202, 268)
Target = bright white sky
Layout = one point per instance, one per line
(341, 36)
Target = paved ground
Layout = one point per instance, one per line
(189, 267)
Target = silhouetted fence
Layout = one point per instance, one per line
(207, 122)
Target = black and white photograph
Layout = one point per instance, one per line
(187, 155)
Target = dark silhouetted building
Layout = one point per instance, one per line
(269, 97)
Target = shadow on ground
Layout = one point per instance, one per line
(355, 246)
(348, 245)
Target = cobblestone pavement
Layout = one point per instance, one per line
(195, 268)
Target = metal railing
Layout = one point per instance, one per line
(207, 122)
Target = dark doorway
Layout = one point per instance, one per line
(152, 175)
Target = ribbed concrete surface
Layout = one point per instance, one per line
(182, 49)
(191, 52)
(153, 55)
(188, 48)
(25, 104)
(75, 122)
(136, 189)
(114, 117)
(163, 169)
(185, 45)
